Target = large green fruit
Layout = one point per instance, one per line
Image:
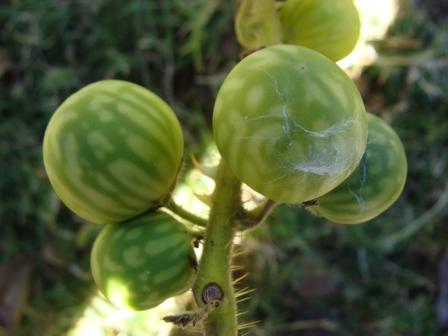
(112, 150)
(142, 262)
(375, 184)
(329, 26)
(290, 123)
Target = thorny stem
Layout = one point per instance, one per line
(216, 258)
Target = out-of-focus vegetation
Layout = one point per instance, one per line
(386, 277)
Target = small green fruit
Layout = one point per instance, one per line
(112, 150)
(375, 184)
(330, 27)
(289, 123)
(140, 263)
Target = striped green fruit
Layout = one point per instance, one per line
(375, 184)
(140, 263)
(331, 27)
(112, 150)
(289, 123)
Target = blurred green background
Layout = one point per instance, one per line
(386, 277)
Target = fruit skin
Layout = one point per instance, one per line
(375, 184)
(112, 150)
(330, 27)
(140, 263)
(257, 24)
(289, 123)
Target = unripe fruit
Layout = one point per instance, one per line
(330, 27)
(257, 24)
(289, 123)
(112, 150)
(375, 184)
(140, 263)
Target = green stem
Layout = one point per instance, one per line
(250, 219)
(181, 212)
(216, 258)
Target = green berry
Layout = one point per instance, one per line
(289, 123)
(330, 27)
(375, 184)
(140, 263)
(112, 150)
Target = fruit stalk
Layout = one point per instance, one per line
(181, 212)
(216, 258)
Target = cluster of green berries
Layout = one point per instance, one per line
(288, 122)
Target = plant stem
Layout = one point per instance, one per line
(250, 219)
(181, 212)
(215, 262)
